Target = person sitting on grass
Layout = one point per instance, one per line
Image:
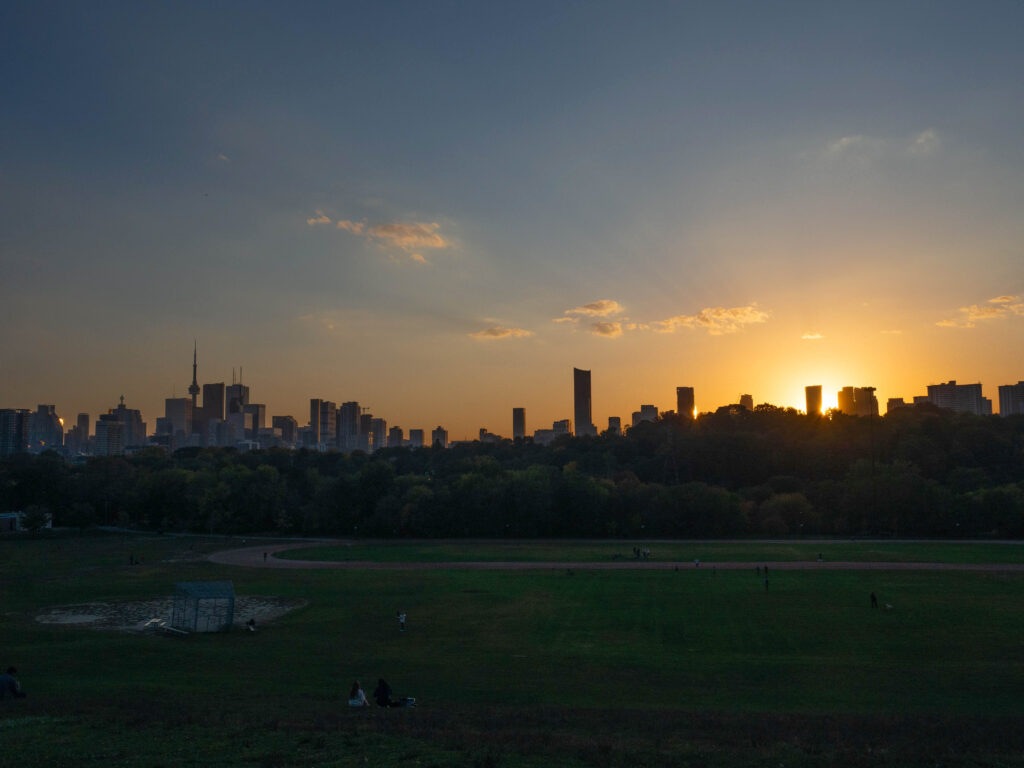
(357, 697)
(9, 685)
(382, 695)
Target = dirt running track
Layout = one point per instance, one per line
(253, 557)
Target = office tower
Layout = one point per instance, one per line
(365, 430)
(747, 401)
(647, 413)
(396, 437)
(1011, 399)
(812, 396)
(236, 398)
(614, 425)
(865, 402)
(518, 423)
(46, 430)
(685, 402)
(132, 433)
(177, 416)
(14, 430)
(562, 427)
(83, 425)
(962, 398)
(348, 426)
(109, 435)
(415, 438)
(378, 434)
(439, 437)
(323, 420)
(213, 401)
(193, 388)
(289, 429)
(258, 412)
(581, 403)
(844, 398)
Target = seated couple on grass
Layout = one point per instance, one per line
(382, 694)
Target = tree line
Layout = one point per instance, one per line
(917, 471)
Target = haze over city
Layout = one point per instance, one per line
(437, 211)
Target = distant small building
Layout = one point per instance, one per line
(203, 606)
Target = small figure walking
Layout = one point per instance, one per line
(819, 557)
(874, 600)
(401, 621)
(696, 562)
(264, 557)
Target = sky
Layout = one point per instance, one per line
(439, 209)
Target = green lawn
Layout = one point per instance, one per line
(511, 666)
(707, 552)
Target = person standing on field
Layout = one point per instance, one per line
(401, 621)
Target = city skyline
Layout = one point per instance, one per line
(436, 212)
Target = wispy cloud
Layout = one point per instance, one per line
(601, 308)
(320, 218)
(864, 148)
(997, 308)
(500, 332)
(925, 143)
(223, 158)
(607, 329)
(410, 237)
(717, 321)
(891, 332)
(812, 336)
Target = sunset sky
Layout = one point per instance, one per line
(438, 209)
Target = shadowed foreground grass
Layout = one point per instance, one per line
(516, 668)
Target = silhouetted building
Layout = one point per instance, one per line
(46, 430)
(257, 412)
(348, 426)
(747, 401)
(76, 439)
(131, 434)
(962, 398)
(614, 425)
(323, 420)
(812, 396)
(236, 397)
(439, 437)
(378, 434)
(415, 438)
(109, 436)
(518, 423)
(647, 413)
(858, 401)
(177, 416)
(1011, 399)
(895, 403)
(193, 388)
(581, 403)
(14, 430)
(289, 429)
(685, 403)
(396, 437)
(488, 437)
(365, 431)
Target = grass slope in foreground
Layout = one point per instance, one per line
(515, 668)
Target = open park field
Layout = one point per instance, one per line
(525, 666)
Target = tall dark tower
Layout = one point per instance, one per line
(193, 388)
(581, 402)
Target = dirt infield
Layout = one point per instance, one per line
(253, 557)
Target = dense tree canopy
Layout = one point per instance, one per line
(916, 472)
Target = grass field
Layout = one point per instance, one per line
(519, 668)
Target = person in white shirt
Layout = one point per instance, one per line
(357, 697)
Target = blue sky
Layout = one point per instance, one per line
(393, 202)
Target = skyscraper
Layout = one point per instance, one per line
(348, 426)
(684, 402)
(378, 434)
(747, 401)
(415, 438)
(581, 402)
(962, 398)
(439, 437)
(1011, 399)
(812, 395)
(614, 425)
(14, 430)
(518, 423)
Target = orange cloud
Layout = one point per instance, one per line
(500, 332)
(812, 336)
(320, 218)
(1000, 307)
(609, 330)
(715, 320)
(601, 308)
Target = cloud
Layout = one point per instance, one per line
(601, 308)
(812, 336)
(845, 144)
(500, 332)
(320, 218)
(609, 330)
(925, 143)
(355, 227)
(223, 158)
(891, 333)
(997, 308)
(715, 320)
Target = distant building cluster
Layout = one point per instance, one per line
(225, 417)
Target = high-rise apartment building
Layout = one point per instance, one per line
(257, 413)
(962, 398)
(1011, 399)
(289, 429)
(348, 426)
(857, 401)
(518, 423)
(812, 397)
(236, 398)
(46, 430)
(747, 401)
(365, 431)
(415, 438)
(685, 403)
(614, 425)
(378, 434)
(131, 434)
(14, 430)
(323, 420)
(581, 403)
(439, 437)
(396, 437)
(178, 415)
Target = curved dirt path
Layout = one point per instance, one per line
(253, 557)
